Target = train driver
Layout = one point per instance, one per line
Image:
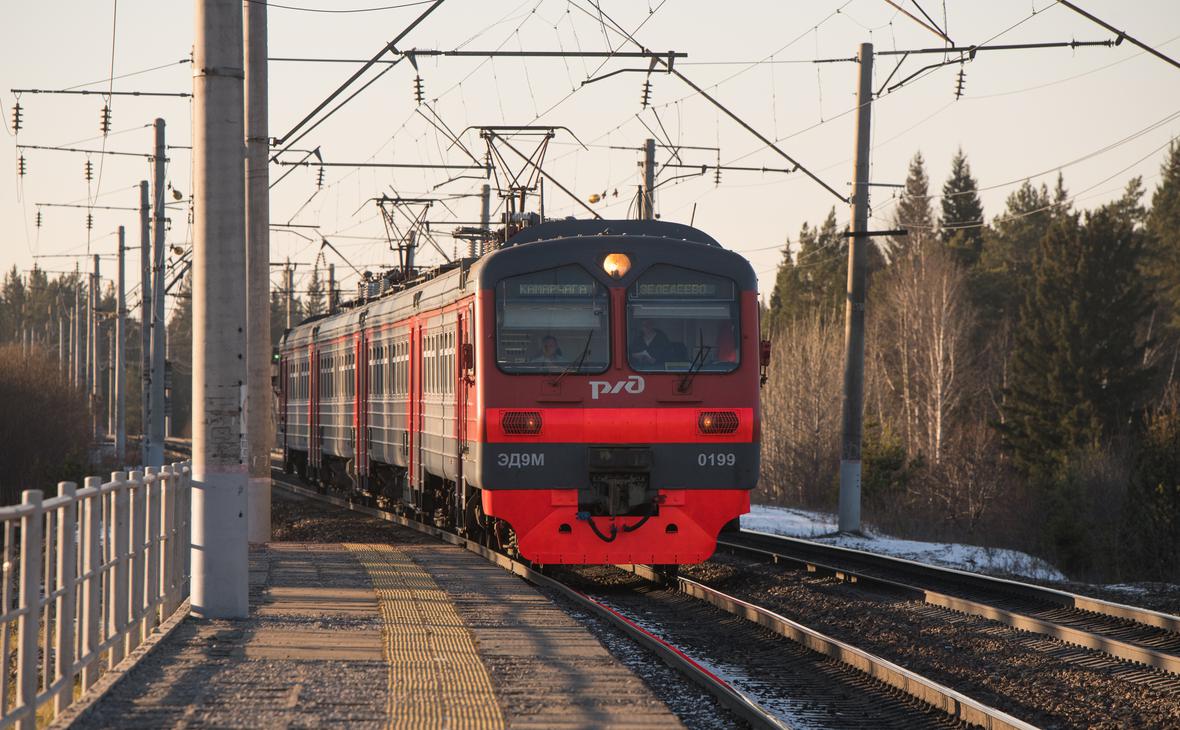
(550, 352)
(649, 346)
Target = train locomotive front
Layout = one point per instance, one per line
(620, 391)
(586, 393)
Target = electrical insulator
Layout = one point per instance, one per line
(419, 94)
(38, 219)
(20, 166)
(88, 171)
(89, 221)
(319, 181)
(104, 121)
(960, 83)
(16, 117)
(646, 93)
(716, 176)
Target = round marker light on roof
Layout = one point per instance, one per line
(616, 265)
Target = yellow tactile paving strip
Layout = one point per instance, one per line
(436, 678)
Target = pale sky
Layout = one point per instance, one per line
(1024, 114)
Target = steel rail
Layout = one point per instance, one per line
(805, 557)
(1061, 598)
(939, 696)
(725, 694)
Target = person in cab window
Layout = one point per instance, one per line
(649, 346)
(550, 352)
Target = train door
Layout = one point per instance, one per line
(314, 439)
(413, 410)
(284, 399)
(360, 411)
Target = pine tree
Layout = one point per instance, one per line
(1163, 227)
(315, 304)
(180, 347)
(1009, 246)
(1061, 201)
(15, 301)
(786, 283)
(814, 280)
(913, 212)
(961, 222)
(1077, 366)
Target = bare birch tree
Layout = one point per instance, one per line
(801, 413)
(925, 324)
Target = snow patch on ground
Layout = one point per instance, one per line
(788, 521)
(821, 527)
(1133, 589)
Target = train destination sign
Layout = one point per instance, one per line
(677, 290)
(529, 289)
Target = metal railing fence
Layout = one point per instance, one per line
(87, 576)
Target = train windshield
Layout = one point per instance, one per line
(552, 322)
(680, 320)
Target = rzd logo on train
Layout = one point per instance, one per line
(633, 385)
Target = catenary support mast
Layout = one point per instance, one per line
(854, 310)
(647, 197)
(145, 317)
(220, 474)
(156, 395)
(259, 423)
(121, 353)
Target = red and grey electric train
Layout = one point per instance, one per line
(586, 393)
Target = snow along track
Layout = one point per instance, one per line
(1135, 634)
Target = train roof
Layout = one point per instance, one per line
(572, 227)
(548, 245)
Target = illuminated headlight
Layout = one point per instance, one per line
(717, 422)
(521, 423)
(616, 265)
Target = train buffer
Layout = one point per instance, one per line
(406, 632)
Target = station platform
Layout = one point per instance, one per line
(398, 632)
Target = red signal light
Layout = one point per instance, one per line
(521, 423)
(717, 423)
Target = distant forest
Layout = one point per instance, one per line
(1022, 382)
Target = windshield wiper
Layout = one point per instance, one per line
(698, 362)
(576, 364)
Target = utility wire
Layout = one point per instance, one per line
(129, 74)
(358, 73)
(1121, 34)
(765, 140)
(375, 9)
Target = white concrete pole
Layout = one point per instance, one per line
(120, 395)
(88, 370)
(95, 372)
(259, 427)
(220, 475)
(145, 317)
(156, 395)
(647, 202)
(485, 217)
(109, 401)
(331, 288)
(289, 286)
(854, 311)
(61, 342)
(76, 334)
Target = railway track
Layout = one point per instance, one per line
(1138, 635)
(789, 675)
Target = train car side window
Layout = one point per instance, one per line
(680, 320)
(552, 321)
